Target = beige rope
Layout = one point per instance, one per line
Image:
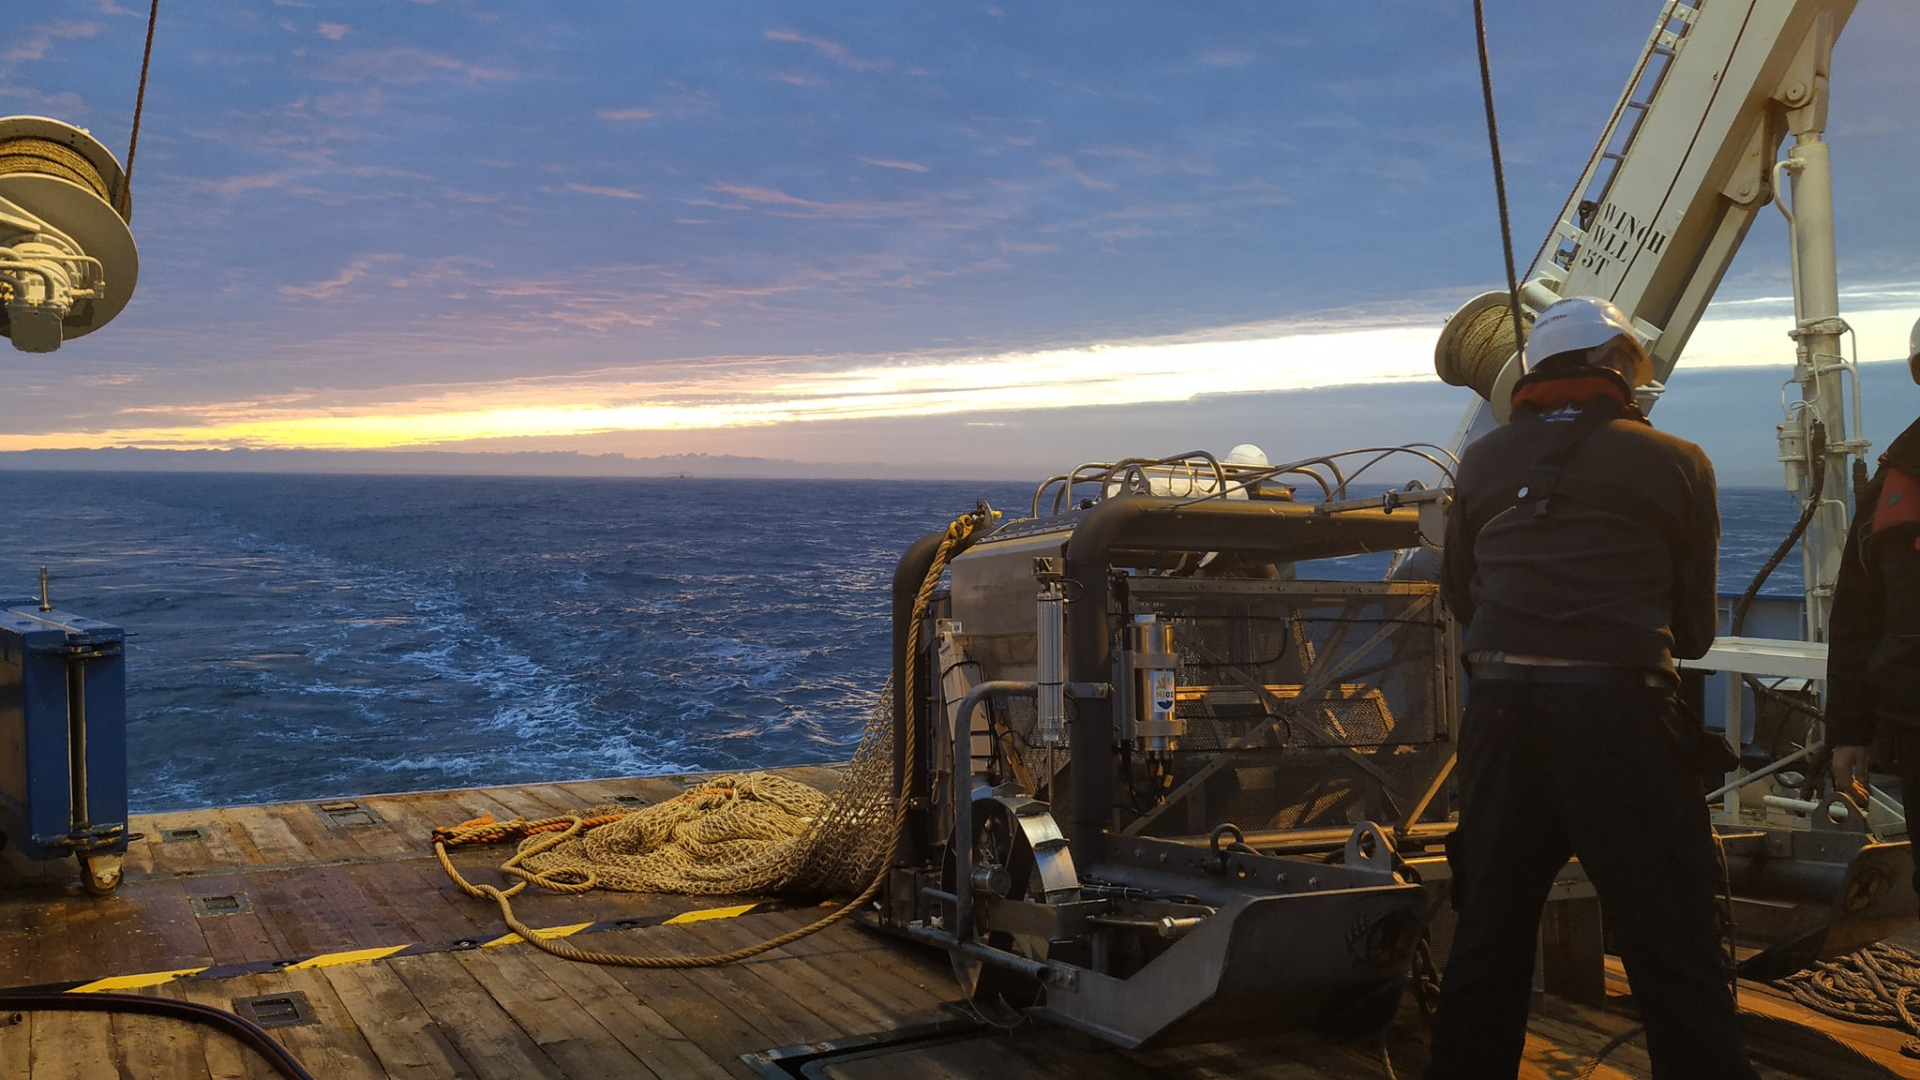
(1879, 984)
(735, 832)
(45, 157)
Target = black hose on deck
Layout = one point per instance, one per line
(230, 1024)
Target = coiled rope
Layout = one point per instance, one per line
(1879, 984)
(48, 158)
(844, 811)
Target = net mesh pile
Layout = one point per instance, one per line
(751, 832)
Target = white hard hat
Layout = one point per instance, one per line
(1580, 323)
(1247, 454)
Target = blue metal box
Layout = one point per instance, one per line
(63, 738)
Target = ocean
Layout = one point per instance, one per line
(302, 637)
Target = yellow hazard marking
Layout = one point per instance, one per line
(705, 914)
(548, 932)
(365, 956)
(356, 956)
(133, 982)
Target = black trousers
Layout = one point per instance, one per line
(1906, 744)
(1552, 770)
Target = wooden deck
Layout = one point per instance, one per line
(255, 894)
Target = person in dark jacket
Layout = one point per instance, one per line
(1873, 629)
(1581, 554)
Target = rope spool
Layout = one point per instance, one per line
(36, 146)
(48, 158)
(1478, 341)
(66, 199)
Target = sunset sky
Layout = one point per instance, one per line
(939, 237)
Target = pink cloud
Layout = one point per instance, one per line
(334, 286)
(832, 50)
(904, 166)
(1066, 165)
(609, 192)
(36, 45)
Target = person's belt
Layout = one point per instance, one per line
(1578, 674)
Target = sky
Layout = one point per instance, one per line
(940, 239)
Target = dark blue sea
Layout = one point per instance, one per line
(298, 637)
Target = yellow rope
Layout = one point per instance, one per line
(576, 881)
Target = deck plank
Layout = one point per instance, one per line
(826, 979)
(71, 1046)
(169, 933)
(270, 832)
(432, 910)
(317, 837)
(486, 1036)
(631, 1021)
(805, 982)
(16, 1044)
(778, 1012)
(1556, 1047)
(707, 1022)
(220, 845)
(23, 923)
(329, 1047)
(1769, 1009)
(240, 938)
(782, 987)
(153, 1046)
(407, 821)
(333, 1048)
(407, 1042)
(886, 969)
(576, 1039)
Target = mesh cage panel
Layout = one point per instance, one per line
(1306, 704)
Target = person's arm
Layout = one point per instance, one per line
(1696, 574)
(1456, 557)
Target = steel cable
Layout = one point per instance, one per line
(122, 200)
(1499, 176)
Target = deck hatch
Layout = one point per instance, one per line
(344, 814)
(224, 904)
(188, 834)
(276, 1010)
